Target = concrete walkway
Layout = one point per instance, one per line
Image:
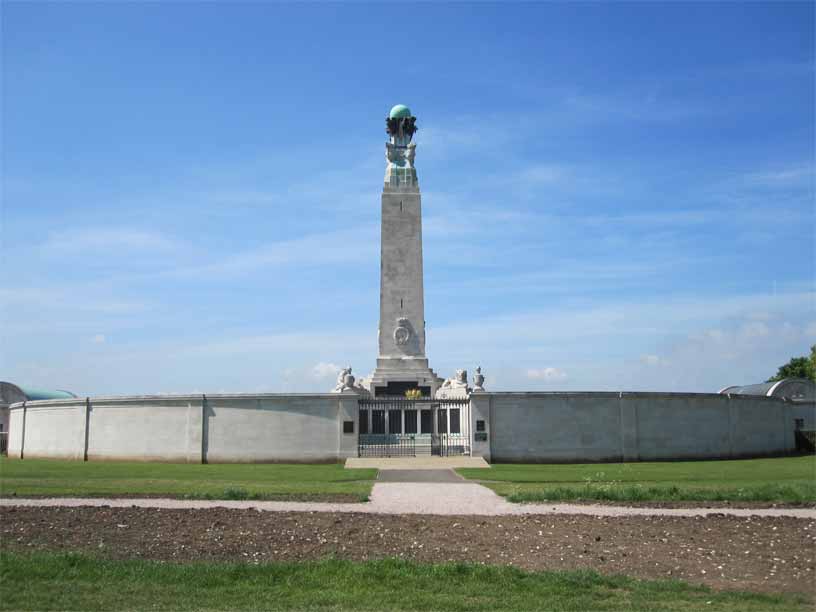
(416, 463)
(435, 498)
(421, 476)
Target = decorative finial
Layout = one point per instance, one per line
(400, 125)
(478, 380)
(400, 152)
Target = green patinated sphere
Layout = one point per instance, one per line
(400, 111)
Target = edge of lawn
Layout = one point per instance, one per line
(96, 583)
(671, 492)
(126, 480)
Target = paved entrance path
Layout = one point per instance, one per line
(420, 476)
(441, 498)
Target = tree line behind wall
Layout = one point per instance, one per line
(798, 367)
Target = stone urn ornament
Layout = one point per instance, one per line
(478, 380)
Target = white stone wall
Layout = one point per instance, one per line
(187, 429)
(263, 429)
(51, 428)
(145, 429)
(806, 411)
(555, 427)
(521, 427)
(563, 427)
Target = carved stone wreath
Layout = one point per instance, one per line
(402, 335)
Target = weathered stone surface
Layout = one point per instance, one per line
(402, 297)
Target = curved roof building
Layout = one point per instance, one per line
(800, 389)
(11, 393)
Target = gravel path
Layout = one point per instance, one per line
(429, 498)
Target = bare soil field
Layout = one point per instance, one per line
(745, 553)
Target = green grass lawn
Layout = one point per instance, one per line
(42, 477)
(55, 581)
(786, 479)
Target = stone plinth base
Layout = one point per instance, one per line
(395, 375)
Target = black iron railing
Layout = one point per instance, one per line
(805, 440)
(394, 426)
(450, 445)
(386, 445)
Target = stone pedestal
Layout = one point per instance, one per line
(394, 376)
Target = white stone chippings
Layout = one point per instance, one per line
(421, 498)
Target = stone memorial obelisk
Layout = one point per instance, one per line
(401, 362)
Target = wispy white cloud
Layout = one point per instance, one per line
(652, 360)
(335, 248)
(548, 374)
(683, 344)
(516, 235)
(543, 173)
(324, 370)
(802, 174)
(85, 298)
(95, 240)
(636, 105)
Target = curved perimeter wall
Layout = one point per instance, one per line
(520, 427)
(561, 427)
(188, 429)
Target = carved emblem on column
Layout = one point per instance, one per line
(402, 333)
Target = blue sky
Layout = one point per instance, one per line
(615, 197)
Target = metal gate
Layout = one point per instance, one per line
(400, 427)
(450, 445)
(370, 445)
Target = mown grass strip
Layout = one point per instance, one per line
(779, 480)
(53, 581)
(521, 493)
(41, 477)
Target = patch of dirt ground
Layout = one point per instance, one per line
(747, 553)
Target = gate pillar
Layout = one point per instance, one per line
(480, 424)
(347, 411)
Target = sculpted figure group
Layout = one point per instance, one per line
(457, 387)
(347, 382)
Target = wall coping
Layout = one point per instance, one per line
(624, 394)
(197, 397)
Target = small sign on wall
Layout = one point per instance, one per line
(480, 436)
